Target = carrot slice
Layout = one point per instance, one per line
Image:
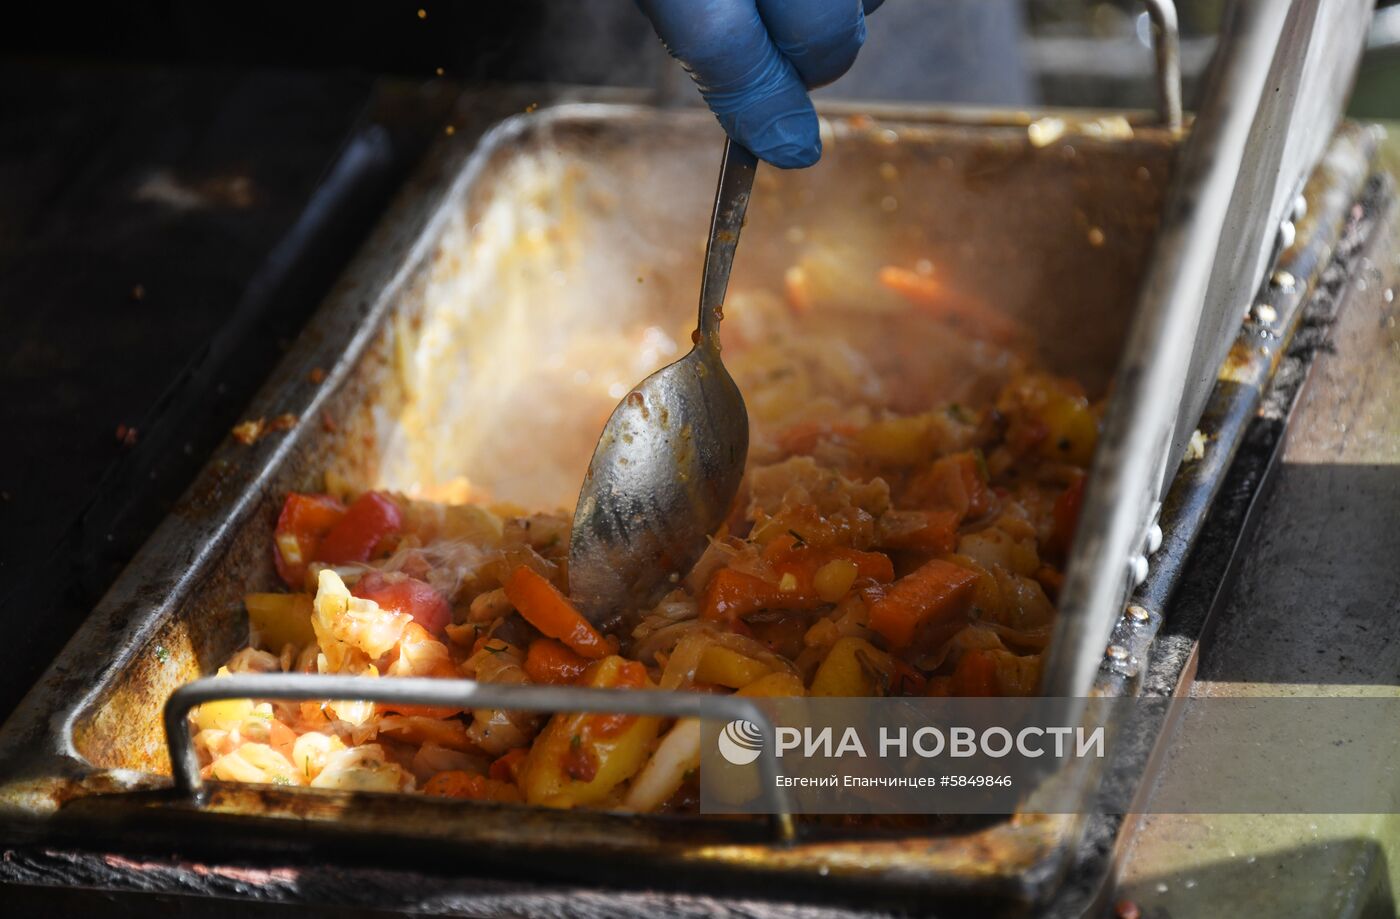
(938, 532)
(975, 675)
(938, 302)
(548, 661)
(936, 590)
(731, 594)
(548, 610)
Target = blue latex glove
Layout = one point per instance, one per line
(754, 61)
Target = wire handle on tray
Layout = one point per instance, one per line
(303, 687)
(1166, 44)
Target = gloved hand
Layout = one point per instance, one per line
(754, 61)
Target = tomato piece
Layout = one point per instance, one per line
(371, 519)
(403, 594)
(301, 527)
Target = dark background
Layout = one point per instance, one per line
(587, 41)
(179, 185)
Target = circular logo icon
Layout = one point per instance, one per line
(740, 742)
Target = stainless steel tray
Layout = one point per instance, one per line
(517, 239)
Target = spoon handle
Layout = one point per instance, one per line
(731, 204)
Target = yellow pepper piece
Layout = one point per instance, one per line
(281, 619)
(724, 667)
(472, 523)
(569, 764)
(778, 683)
(222, 714)
(900, 441)
(834, 579)
(1072, 431)
(853, 667)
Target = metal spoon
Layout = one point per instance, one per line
(668, 465)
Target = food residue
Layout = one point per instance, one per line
(248, 433)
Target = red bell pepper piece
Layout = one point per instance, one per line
(301, 527)
(371, 519)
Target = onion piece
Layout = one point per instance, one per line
(678, 753)
(662, 640)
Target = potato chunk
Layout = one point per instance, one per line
(581, 758)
